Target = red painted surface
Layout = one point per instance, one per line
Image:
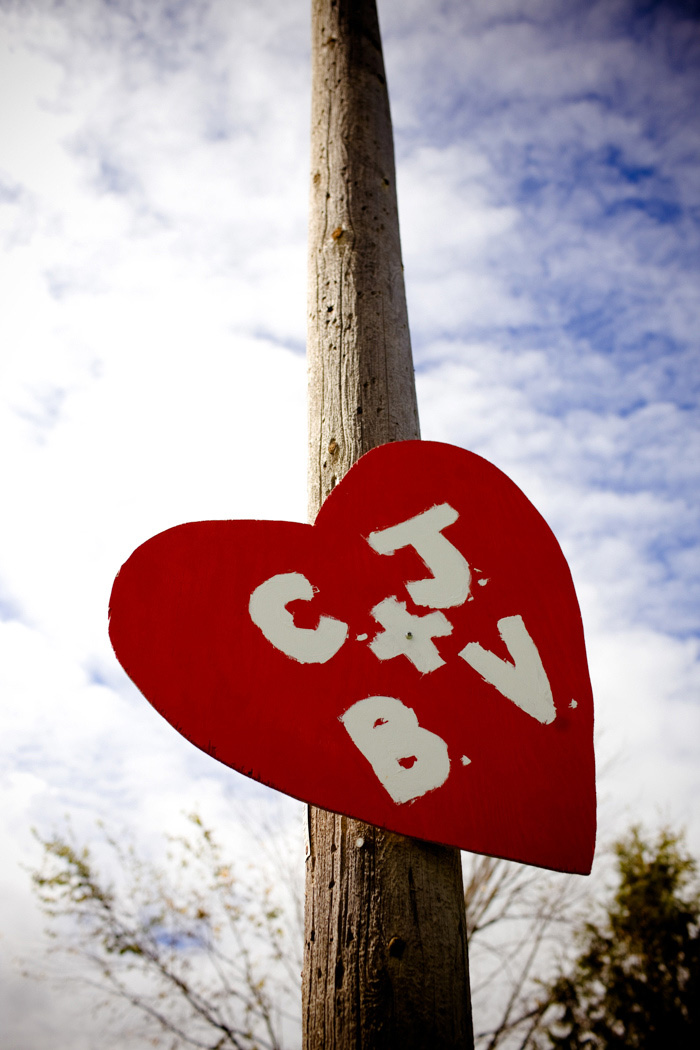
(513, 785)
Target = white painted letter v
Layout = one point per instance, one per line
(524, 681)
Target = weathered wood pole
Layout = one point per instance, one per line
(385, 958)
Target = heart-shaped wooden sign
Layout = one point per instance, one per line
(415, 659)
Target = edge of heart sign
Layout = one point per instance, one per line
(414, 659)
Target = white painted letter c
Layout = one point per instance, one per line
(268, 611)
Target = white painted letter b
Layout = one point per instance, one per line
(408, 760)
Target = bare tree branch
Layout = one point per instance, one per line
(192, 946)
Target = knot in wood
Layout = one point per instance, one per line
(397, 946)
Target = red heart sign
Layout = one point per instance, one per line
(415, 659)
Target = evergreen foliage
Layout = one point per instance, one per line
(636, 981)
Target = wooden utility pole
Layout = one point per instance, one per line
(385, 958)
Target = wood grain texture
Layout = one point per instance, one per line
(385, 958)
(361, 385)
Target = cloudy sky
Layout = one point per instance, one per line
(153, 195)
